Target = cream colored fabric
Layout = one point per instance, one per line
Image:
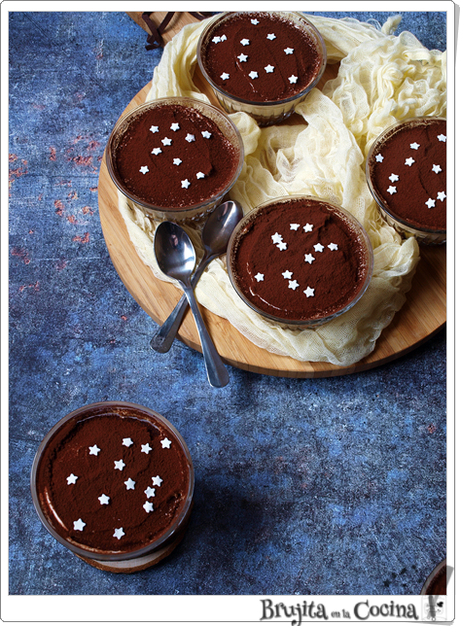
(382, 78)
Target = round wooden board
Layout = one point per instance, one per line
(423, 314)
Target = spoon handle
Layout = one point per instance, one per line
(162, 340)
(215, 369)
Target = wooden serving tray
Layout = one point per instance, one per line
(423, 314)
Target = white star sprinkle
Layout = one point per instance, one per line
(442, 138)
(165, 443)
(277, 238)
(216, 39)
(119, 465)
(145, 447)
(292, 79)
(393, 178)
(271, 36)
(157, 151)
(119, 532)
(156, 480)
(254, 21)
(130, 484)
(150, 492)
(379, 158)
(166, 141)
(287, 274)
(104, 499)
(190, 137)
(309, 258)
(177, 161)
(436, 169)
(185, 184)
(94, 450)
(144, 169)
(72, 479)
(199, 175)
(308, 228)
(441, 195)
(309, 292)
(259, 277)
(242, 58)
(253, 74)
(154, 129)
(288, 50)
(223, 38)
(282, 245)
(293, 284)
(294, 226)
(79, 524)
(174, 126)
(318, 247)
(430, 203)
(127, 442)
(333, 246)
(269, 69)
(415, 145)
(225, 76)
(245, 42)
(148, 506)
(391, 189)
(410, 161)
(206, 134)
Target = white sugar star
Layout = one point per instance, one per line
(391, 189)
(277, 238)
(127, 442)
(165, 443)
(333, 246)
(206, 134)
(157, 151)
(309, 258)
(293, 284)
(288, 50)
(156, 480)
(442, 137)
(145, 447)
(253, 75)
(177, 161)
(174, 126)
(430, 203)
(292, 79)
(309, 292)
(119, 465)
(223, 38)
(415, 145)
(119, 532)
(148, 506)
(190, 137)
(94, 450)
(308, 228)
(441, 195)
(79, 524)
(72, 479)
(269, 69)
(130, 483)
(282, 245)
(287, 274)
(245, 42)
(379, 158)
(104, 499)
(436, 169)
(259, 277)
(150, 492)
(242, 58)
(254, 21)
(271, 36)
(154, 129)
(166, 141)
(410, 161)
(225, 76)
(318, 247)
(185, 184)
(216, 39)
(294, 226)
(144, 169)
(393, 178)
(199, 175)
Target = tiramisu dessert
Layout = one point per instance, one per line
(300, 260)
(113, 481)
(406, 173)
(261, 58)
(175, 155)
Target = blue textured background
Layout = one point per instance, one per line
(324, 486)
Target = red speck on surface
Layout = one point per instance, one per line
(22, 254)
(52, 153)
(60, 207)
(72, 219)
(84, 161)
(93, 145)
(80, 239)
(87, 210)
(72, 195)
(35, 286)
(124, 318)
(16, 172)
(60, 265)
(93, 188)
(431, 428)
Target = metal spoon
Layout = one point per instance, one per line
(215, 235)
(176, 258)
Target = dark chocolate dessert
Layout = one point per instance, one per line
(300, 260)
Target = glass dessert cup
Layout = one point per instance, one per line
(232, 160)
(173, 509)
(271, 111)
(403, 224)
(355, 233)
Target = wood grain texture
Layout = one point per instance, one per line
(423, 314)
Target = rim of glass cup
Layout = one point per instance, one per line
(415, 229)
(91, 411)
(320, 47)
(209, 110)
(358, 229)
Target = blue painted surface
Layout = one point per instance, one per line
(326, 486)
